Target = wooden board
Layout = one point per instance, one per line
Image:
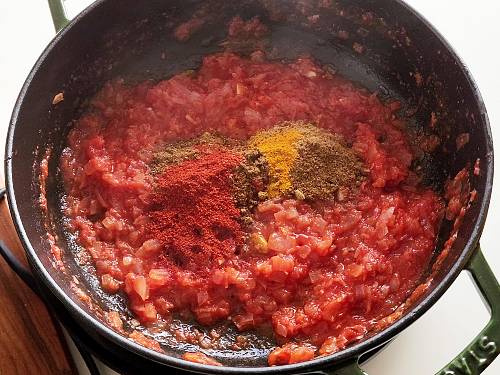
(30, 343)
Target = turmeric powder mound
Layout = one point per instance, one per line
(309, 161)
(278, 146)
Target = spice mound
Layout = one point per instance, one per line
(245, 181)
(194, 219)
(206, 188)
(308, 161)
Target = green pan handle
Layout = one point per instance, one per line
(58, 14)
(485, 347)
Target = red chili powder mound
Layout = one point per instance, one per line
(194, 215)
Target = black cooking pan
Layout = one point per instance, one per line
(396, 53)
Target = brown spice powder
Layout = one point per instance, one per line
(250, 180)
(324, 165)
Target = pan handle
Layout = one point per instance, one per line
(58, 14)
(485, 347)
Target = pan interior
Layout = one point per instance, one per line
(128, 41)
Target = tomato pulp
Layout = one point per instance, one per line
(329, 271)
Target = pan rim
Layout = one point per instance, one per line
(90, 322)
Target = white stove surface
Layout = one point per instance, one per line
(473, 30)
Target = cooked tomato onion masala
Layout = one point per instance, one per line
(274, 196)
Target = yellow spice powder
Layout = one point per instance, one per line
(278, 146)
